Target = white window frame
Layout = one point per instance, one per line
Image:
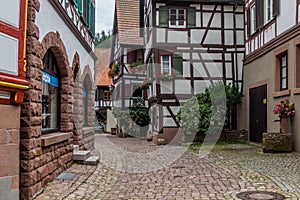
(177, 18)
(268, 10)
(253, 19)
(162, 64)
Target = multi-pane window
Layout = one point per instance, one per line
(253, 19)
(269, 10)
(166, 64)
(50, 93)
(283, 71)
(177, 18)
(107, 95)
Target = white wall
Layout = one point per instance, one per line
(287, 16)
(48, 20)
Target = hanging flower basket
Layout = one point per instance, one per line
(145, 84)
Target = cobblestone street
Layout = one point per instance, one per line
(225, 172)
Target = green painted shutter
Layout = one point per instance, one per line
(191, 17)
(75, 2)
(93, 19)
(79, 6)
(177, 63)
(88, 12)
(163, 16)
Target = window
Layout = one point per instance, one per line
(283, 71)
(253, 19)
(107, 95)
(85, 95)
(177, 18)
(50, 94)
(268, 10)
(166, 64)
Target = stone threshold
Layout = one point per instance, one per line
(54, 138)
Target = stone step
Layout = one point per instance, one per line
(93, 160)
(81, 155)
(75, 148)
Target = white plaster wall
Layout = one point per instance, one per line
(48, 20)
(177, 36)
(182, 87)
(287, 16)
(213, 37)
(111, 121)
(197, 36)
(160, 35)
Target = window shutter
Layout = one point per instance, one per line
(129, 57)
(276, 7)
(93, 19)
(259, 13)
(248, 22)
(191, 17)
(100, 94)
(163, 16)
(87, 13)
(177, 63)
(79, 6)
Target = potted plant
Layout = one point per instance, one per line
(166, 76)
(285, 109)
(136, 68)
(114, 70)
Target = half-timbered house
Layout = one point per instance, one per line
(189, 45)
(271, 65)
(127, 69)
(103, 100)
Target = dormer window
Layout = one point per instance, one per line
(177, 18)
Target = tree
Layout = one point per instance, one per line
(103, 39)
(197, 114)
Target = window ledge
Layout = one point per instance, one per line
(54, 138)
(296, 91)
(281, 93)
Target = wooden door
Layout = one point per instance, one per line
(258, 113)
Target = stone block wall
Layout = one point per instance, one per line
(44, 155)
(9, 151)
(83, 136)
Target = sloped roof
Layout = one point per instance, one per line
(104, 79)
(102, 67)
(128, 19)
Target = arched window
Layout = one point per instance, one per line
(50, 94)
(85, 96)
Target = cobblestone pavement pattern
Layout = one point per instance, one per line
(224, 173)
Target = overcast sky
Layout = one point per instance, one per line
(104, 14)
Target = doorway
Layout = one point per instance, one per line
(258, 113)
